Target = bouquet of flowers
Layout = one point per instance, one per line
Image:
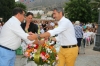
(31, 49)
(41, 54)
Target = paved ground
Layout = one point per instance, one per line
(90, 58)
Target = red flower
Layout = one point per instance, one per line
(43, 53)
(36, 46)
(29, 46)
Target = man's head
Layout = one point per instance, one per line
(19, 13)
(58, 13)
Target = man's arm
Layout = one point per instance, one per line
(32, 36)
(46, 34)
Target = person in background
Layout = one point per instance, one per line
(78, 33)
(28, 26)
(10, 37)
(44, 26)
(66, 36)
(41, 30)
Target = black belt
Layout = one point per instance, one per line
(6, 48)
(70, 46)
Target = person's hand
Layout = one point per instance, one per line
(42, 41)
(32, 36)
(30, 33)
(53, 39)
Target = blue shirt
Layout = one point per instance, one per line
(78, 31)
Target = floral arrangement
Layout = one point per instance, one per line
(31, 49)
(41, 54)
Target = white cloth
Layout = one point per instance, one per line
(57, 45)
(52, 24)
(85, 35)
(42, 31)
(89, 34)
(12, 33)
(0, 28)
(65, 31)
(24, 46)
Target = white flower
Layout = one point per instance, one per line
(33, 55)
(48, 61)
(48, 50)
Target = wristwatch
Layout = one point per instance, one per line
(39, 37)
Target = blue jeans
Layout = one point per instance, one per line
(7, 57)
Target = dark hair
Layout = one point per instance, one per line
(17, 10)
(59, 9)
(29, 13)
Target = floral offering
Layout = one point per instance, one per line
(41, 54)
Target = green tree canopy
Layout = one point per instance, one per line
(19, 4)
(95, 4)
(6, 7)
(38, 15)
(78, 10)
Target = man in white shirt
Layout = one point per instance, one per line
(10, 37)
(66, 36)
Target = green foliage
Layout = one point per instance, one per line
(38, 15)
(19, 4)
(95, 4)
(78, 10)
(6, 7)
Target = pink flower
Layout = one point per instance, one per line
(30, 44)
(30, 57)
(26, 54)
(35, 50)
(43, 57)
(57, 58)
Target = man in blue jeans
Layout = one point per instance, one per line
(10, 37)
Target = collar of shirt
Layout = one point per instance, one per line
(61, 20)
(16, 19)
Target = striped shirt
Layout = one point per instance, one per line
(78, 31)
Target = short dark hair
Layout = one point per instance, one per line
(17, 10)
(59, 9)
(29, 13)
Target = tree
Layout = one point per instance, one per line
(78, 10)
(19, 4)
(6, 7)
(38, 15)
(95, 4)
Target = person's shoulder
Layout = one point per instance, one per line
(23, 23)
(34, 25)
(67, 20)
